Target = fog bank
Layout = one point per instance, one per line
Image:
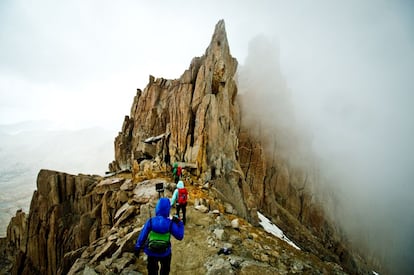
(358, 129)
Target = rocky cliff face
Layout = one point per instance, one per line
(59, 221)
(194, 119)
(82, 223)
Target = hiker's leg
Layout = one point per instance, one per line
(165, 265)
(177, 208)
(184, 212)
(152, 265)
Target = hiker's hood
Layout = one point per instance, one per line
(163, 207)
(180, 184)
(175, 165)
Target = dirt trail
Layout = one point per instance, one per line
(188, 254)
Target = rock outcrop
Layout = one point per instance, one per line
(87, 224)
(196, 116)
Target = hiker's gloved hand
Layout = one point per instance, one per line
(137, 249)
(176, 219)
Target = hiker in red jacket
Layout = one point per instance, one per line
(180, 197)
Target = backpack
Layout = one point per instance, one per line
(159, 242)
(182, 196)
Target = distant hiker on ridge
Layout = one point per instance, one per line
(177, 170)
(180, 196)
(155, 238)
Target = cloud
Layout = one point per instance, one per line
(346, 93)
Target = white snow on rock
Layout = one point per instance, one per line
(273, 229)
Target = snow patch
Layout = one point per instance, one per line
(273, 229)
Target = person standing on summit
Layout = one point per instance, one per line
(155, 238)
(180, 196)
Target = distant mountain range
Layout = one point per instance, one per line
(29, 146)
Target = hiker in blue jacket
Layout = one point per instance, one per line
(155, 237)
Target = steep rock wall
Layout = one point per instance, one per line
(196, 116)
(197, 113)
(67, 212)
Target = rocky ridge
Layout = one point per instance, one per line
(87, 224)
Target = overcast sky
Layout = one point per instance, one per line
(348, 64)
(80, 62)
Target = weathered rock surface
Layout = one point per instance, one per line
(88, 224)
(196, 117)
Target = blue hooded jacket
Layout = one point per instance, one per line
(161, 224)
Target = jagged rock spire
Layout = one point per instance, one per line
(219, 43)
(197, 114)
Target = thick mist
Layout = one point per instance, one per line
(358, 131)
